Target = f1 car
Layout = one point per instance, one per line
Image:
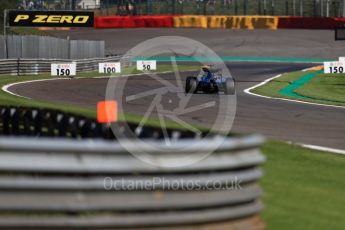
(210, 81)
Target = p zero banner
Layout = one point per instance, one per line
(24, 18)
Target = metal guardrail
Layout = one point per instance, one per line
(35, 66)
(62, 183)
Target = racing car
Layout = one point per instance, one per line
(210, 81)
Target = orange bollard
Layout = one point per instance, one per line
(107, 111)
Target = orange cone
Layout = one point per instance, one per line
(106, 111)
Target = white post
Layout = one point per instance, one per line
(301, 8)
(321, 8)
(343, 8)
(5, 34)
(294, 7)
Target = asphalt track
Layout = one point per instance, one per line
(291, 121)
(238, 43)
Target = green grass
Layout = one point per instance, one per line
(326, 87)
(323, 89)
(303, 189)
(272, 88)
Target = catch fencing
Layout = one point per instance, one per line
(310, 8)
(31, 46)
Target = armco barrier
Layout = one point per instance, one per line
(309, 23)
(35, 66)
(133, 21)
(61, 171)
(82, 184)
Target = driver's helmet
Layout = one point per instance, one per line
(205, 68)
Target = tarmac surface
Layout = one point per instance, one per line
(239, 43)
(283, 120)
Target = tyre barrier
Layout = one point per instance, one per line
(23, 121)
(97, 184)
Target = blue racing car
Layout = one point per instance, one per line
(210, 81)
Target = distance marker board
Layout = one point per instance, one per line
(147, 65)
(334, 67)
(63, 69)
(109, 67)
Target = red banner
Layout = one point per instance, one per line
(309, 22)
(162, 21)
(133, 21)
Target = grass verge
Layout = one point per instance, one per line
(326, 87)
(323, 88)
(303, 189)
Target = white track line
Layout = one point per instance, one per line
(248, 91)
(314, 147)
(324, 149)
(261, 84)
(5, 88)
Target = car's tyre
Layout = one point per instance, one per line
(229, 87)
(191, 85)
